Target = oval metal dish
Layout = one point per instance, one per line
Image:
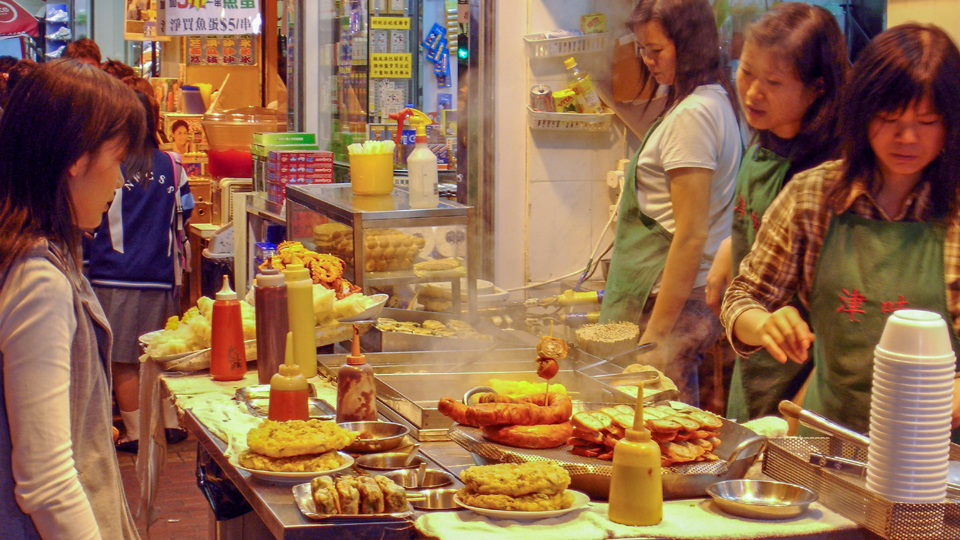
(761, 499)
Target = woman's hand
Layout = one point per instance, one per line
(783, 333)
(719, 277)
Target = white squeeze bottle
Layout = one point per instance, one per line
(422, 166)
(580, 82)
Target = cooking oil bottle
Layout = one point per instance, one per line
(580, 82)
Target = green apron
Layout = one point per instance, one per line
(759, 383)
(639, 252)
(867, 269)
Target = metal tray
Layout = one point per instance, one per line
(411, 384)
(788, 460)
(738, 450)
(379, 341)
(318, 408)
(262, 391)
(304, 498)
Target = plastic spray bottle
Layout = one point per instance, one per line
(421, 163)
(300, 316)
(636, 487)
(228, 359)
(356, 387)
(289, 390)
(580, 82)
(270, 294)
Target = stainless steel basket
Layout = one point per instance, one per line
(739, 449)
(788, 460)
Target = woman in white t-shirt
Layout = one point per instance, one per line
(676, 205)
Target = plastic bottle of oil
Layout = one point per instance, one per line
(580, 82)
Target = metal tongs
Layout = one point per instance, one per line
(815, 421)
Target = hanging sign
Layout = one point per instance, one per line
(391, 65)
(390, 23)
(16, 21)
(208, 17)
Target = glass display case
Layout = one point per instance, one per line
(388, 247)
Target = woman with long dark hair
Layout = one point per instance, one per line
(858, 238)
(676, 203)
(63, 138)
(790, 76)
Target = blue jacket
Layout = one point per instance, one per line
(134, 247)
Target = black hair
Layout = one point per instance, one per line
(692, 27)
(900, 67)
(60, 112)
(809, 38)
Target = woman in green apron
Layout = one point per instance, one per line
(859, 238)
(675, 207)
(792, 68)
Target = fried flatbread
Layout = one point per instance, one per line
(298, 438)
(535, 502)
(545, 478)
(309, 463)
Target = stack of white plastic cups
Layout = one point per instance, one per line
(911, 405)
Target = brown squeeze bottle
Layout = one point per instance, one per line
(356, 388)
(228, 359)
(289, 390)
(270, 294)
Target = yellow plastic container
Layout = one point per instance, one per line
(374, 203)
(371, 174)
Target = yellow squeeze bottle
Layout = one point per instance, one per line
(636, 488)
(301, 317)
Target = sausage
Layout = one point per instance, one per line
(530, 411)
(538, 436)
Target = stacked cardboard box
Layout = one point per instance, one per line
(264, 143)
(296, 167)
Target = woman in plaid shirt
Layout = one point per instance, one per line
(858, 238)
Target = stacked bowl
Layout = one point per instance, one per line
(911, 407)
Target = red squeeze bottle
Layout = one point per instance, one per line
(356, 388)
(289, 390)
(228, 360)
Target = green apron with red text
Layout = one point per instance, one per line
(759, 382)
(639, 252)
(867, 269)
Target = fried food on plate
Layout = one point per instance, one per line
(535, 502)
(298, 438)
(516, 480)
(306, 463)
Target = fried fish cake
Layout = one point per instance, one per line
(307, 463)
(298, 438)
(515, 480)
(534, 502)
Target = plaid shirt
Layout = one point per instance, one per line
(785, 254)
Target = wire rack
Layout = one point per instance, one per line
(539, 47)
(788, 460)
(569, 121)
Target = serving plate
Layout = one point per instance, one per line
(372, 312)
(304, 497)
(297, 477)
(580, 500)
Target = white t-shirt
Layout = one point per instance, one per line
(700, 131)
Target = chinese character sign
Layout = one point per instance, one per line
(207, 17)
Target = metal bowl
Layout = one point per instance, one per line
(382, 436)
(761, 499)
(435, 499)
(389, 461)
(432, 478)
